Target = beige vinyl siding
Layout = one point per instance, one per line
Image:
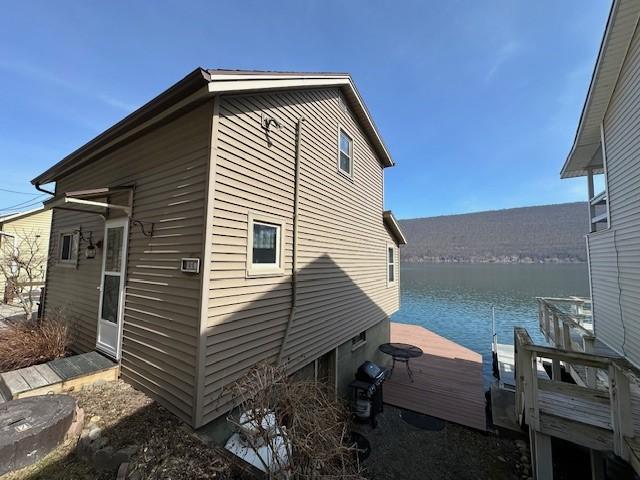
(168, 167)
(341, 246)
(615, 291)
(36, 224)
(73, 292)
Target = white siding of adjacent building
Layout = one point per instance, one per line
(615, 254)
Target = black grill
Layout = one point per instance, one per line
(367, 391)
(371, 373)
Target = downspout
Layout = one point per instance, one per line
(40, 189)
(294, 263)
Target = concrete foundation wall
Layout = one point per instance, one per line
(350, 358)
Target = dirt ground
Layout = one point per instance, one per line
(165, 446)
(167, 449)
(400, 450)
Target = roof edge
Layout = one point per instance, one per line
(394, 226)
(577, 171)
(26, 213)
(200, 83)
(179, 90)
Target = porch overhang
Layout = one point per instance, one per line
(90, 201)
(621, 25)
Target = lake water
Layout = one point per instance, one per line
(455, 300)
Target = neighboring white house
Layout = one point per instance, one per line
(22, 230)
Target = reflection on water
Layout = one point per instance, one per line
(455, 300)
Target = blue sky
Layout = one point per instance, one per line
(478, 101)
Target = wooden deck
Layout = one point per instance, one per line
(448, 382)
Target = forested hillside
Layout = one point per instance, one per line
(549, 233)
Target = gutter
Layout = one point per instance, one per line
(294, 260)
(40, 189)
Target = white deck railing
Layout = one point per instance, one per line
(598, 418)
(567, 324)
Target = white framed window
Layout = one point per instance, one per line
(265, 245)
(68, 248)
(345, 153)
(392, 262)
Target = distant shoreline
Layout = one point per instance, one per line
(548, 234)
(506, 261)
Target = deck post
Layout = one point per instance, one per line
(518, 362)
(597, 465)
(556, 371)
(530, 380)
(547, 322)
(588, 345)
(591, 194)
(541, 455)
(622, 420)
(540, 315)
(566, 336)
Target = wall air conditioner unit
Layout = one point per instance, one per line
(190, 265)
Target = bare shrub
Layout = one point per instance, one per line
(317, 425)
(26, 343)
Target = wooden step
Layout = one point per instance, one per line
(57, 375)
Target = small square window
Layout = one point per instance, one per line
(391, 265)
(264, 249)
(345, 154)
(68, 249)
(358, 340)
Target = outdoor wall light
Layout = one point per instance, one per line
(90, 252)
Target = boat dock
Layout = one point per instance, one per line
(447, 379)
(505, 356)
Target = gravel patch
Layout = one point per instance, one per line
(400, 450)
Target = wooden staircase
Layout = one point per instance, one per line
(602, 418)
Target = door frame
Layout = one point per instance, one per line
(111, 223)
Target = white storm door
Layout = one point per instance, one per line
(111, 309)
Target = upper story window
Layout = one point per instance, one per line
(67, 248)
(345, 153)
(265, 245)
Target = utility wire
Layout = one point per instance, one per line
(34, 194)
(28, 203)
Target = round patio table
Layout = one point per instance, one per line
(401, 352)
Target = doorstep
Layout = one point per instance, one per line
(57, 376)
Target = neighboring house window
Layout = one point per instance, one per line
(265, 245)
(345, 153)
(358, 340)
(391, 265)
(68, 249)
